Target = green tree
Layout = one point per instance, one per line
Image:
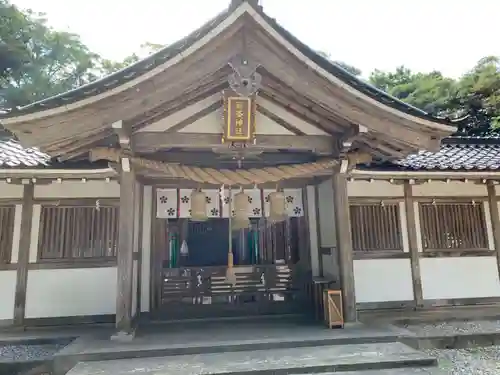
(428, 91)
(474, 97)
(478, 96)
(39, 62)
(109, 66)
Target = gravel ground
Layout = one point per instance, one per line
(17, 353)
(476, 361)
(453, 328)
(472, 361)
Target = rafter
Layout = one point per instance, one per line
(197, 94)
(287, 97)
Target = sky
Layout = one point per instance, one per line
(424, 35)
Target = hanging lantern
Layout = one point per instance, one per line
(198, 206)
(277, 211)
(241, 205)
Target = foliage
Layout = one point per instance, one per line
(109, 66)
(476, 95)
(38, 61)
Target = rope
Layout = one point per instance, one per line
(241, 177)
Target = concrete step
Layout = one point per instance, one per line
(401, 371)
(221, 340)
(306, 360)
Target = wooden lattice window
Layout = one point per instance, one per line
(375, 227)
(453, 226)
(6, 233)
(78, 232)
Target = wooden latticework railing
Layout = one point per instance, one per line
(6, 233)
(78, 232)
(375, 227)
(453, 226)
(207, 285)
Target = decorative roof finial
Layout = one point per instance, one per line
(253, 3)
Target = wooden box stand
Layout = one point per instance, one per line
(332, 303)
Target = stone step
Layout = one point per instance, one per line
(401, 371)
(222, 340)
(355, 357)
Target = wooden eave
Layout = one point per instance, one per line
(291, 77)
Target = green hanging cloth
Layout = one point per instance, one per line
(256, 246)
(249, 247)
(173, 250)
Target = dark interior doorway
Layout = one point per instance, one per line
(208, 243)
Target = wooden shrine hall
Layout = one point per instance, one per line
(231, 173)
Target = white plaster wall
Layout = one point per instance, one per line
(313, 229)
(35, 229)
(7, 293)
(374, 189)
(10, 191)
(466, 277)
(16, 236)
(146, 248)
(326, 214)
(78, 189)
(71, 292)
(450, 189)
(381, 280)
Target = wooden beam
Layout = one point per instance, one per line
(125, 253)
(344, 246)
(411, 227)
(345, 142)
(495, 220)
(318, 228)
(145, 142)
(123, 133)
(287, 97)
(23, 257)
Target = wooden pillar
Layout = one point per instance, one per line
(495, 220)
(411, 225)
(344, 246)
(24, 254)
(125, 252)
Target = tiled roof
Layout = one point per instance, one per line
(165, 54)
(456, 153)
(13, 155)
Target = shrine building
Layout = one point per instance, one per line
(238, 172)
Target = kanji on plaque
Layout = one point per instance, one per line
(238, 119)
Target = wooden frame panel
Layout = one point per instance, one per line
(69, 224)
(7, 214)
(461, 221)
(381, 217)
